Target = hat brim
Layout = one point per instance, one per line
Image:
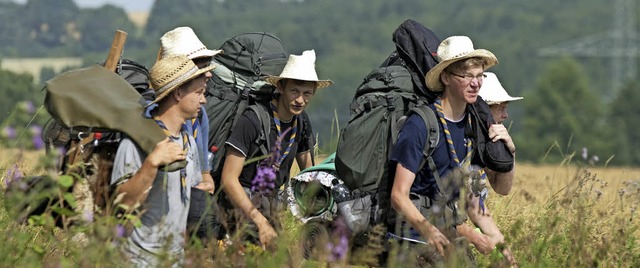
(319, 83)
(192, 76)
(204, 53)
(433, 76)
(504, 100)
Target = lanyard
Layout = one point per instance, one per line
(280, 156)
(452, 151)
(185, 148)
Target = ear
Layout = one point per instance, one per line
(445, 78)
(177, 94)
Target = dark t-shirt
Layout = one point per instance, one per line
(408, 152)
(245, 133)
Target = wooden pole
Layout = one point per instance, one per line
(116, 50)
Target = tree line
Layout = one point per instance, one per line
(568, 105)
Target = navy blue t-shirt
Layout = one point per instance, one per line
(408, 152)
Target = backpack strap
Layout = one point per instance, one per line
(265, 120)
(433, 137)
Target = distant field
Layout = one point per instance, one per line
(34, 65)
(139, 18)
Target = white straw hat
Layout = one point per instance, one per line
(169, 73)
(301, 67)
(492, 91)
(184, 41)
(453, 49)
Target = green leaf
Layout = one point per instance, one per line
(65, 181)
(70, 199)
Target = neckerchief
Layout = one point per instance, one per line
(280, 156)
(185, 148)
(452, 151)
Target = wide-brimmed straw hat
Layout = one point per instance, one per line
(301, 67)
(184, 41)
(169, 73)
(453, 49)
(492, 91)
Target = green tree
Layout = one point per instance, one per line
(623, 125)
(16, 88)
(562, 113)
(98, 25)
(51, 23)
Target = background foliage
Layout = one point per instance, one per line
(568, 105)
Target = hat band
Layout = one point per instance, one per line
(196, 51)
(179, 79)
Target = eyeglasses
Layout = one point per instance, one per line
(468, 77)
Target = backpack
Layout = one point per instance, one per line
(93, 159)
(381, 105)
(237, 84)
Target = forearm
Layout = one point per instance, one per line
(484, 221)
(304, 160)
(502, 182)
(241, 201)
(136, 189)
(404, 207)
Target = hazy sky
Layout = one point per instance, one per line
(128, 5)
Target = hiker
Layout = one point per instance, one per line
(184, 41)
(202, 215)
(497, 97)
(458, 76)
(295, 87)
(162, 196)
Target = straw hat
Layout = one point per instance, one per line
(169, 73)
(183, 41)
(493, 92)
(453, 49)
(301, 67)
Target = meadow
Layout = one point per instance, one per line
(570, 214)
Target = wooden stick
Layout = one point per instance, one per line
(116, 50)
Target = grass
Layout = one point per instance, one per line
(565, 215)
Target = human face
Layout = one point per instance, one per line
(499, 112)
(294, 97)
(191, 95)
(464, 86)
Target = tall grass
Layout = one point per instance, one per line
(567, 215)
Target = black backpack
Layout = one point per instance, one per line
(238, 84)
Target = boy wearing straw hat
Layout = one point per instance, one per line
(142, 181)
(458, 76)
(290, 138)
(184, 41)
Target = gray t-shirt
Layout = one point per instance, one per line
(164, 220)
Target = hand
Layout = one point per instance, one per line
(506, 252)
(499, 132)
(482, 242)
(166, 152)
(267, 236)
(436, 239)
(207, 183)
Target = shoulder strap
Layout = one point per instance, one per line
(265, 120)
(433, 137)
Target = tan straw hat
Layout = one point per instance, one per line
(183, 41)
(301, 67)
(492, 91)
(169, 73)
(453, 49)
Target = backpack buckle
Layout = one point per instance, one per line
(390, 105)
(245, 93)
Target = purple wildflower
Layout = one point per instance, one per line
(27, 106)
(119, 230)
(13, 173)
(264, 181)
(9, 132)
(37, 142)
(88, 216)
(338, 251)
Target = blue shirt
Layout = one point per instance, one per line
(409, 147)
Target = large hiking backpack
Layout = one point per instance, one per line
(238, 84)
(387, 96)
(94, 101)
